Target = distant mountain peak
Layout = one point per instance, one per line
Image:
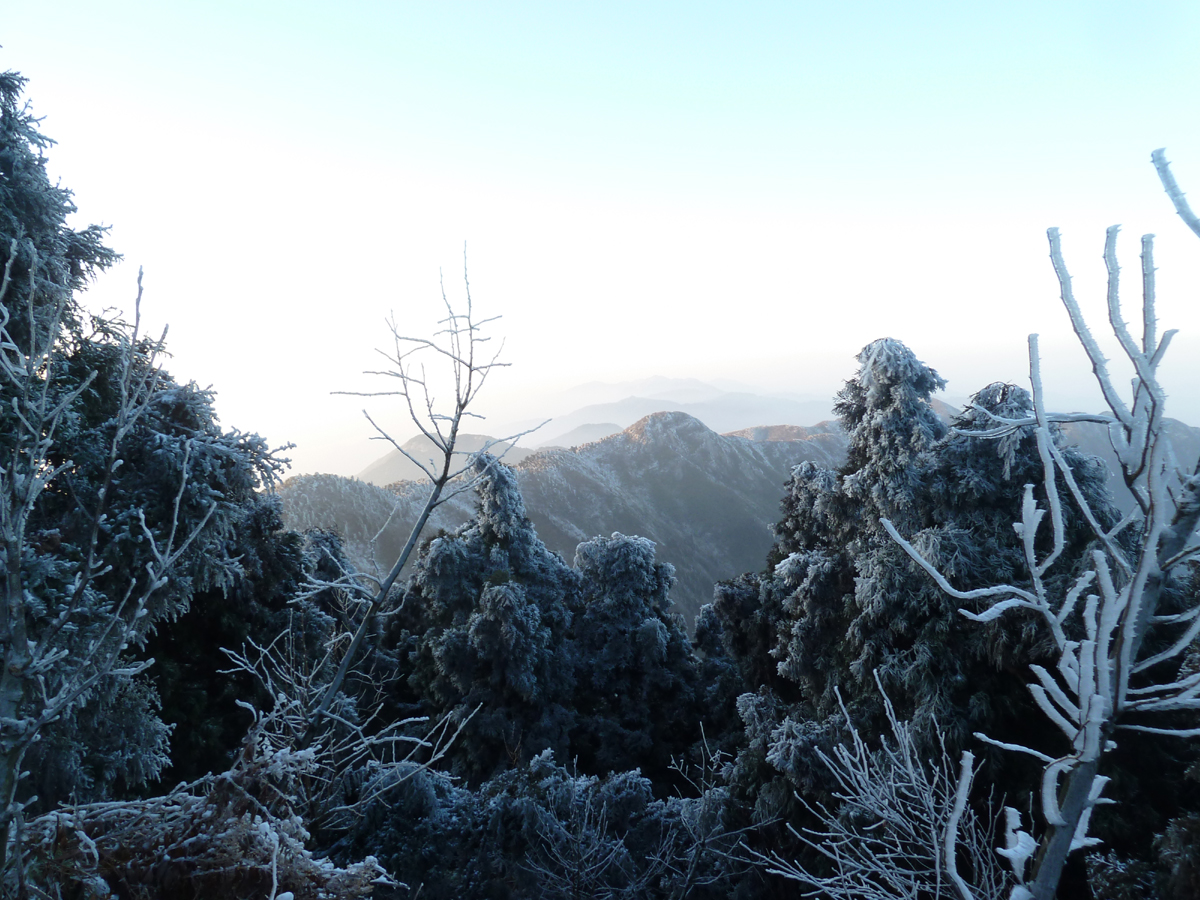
(668, 424)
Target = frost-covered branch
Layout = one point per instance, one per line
(224, 835)
(901, 828)
(1101, 622)
(60, 642)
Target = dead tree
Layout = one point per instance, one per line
(459, 348)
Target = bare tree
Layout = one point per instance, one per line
(460, 348)
(1104, 678)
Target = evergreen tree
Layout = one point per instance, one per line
(483, 632)
(105, 461)
(46, 261)
(636, 673)
(587, 662)
(842, 604)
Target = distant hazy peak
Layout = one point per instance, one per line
(671, 423)
(584, 434)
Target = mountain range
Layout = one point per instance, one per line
(707, 500)
(598, 410)
(723, 411)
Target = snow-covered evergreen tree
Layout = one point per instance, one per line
(587, 662)
(891, 424)
(842, 604)
(122, 500)
(484, 629)
(636, 672)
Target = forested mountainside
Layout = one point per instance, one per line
(707, 500)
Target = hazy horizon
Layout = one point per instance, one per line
(704, 191)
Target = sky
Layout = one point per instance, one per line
(748, 191)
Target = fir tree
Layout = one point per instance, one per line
(842, 604)
(484, 632)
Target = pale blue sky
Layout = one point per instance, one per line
(747, 191)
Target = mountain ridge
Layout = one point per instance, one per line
(723, 413)
(707, 500)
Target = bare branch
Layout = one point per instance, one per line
(1091, 693)
(1099, 363)
(1159, 158)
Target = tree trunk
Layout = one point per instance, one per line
(1056, 845)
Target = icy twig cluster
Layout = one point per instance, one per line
(239, 833)
(902, 828)
(345, 767)
(581, 852)
(582, 856)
